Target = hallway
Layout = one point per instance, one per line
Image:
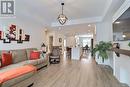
(84, 73)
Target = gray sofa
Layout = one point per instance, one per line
(21, 58)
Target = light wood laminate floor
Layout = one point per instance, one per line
(71, 73)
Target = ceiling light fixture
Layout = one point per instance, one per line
(123, 36)
(89, 25)
(117, 22)
(62, 18)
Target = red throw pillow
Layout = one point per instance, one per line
(6, 59)
(34, 55)
(0, 63)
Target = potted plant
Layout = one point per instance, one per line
(129, 44)
(102, 49)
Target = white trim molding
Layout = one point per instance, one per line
(121, 10)
(109, 3)
(79, 21)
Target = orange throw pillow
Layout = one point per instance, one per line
(6, 59)
(34, 55)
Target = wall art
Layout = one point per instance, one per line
(60, 40)
(27, 37)
(13, 33)
(0, 35)
(20, 37)
(6, 41)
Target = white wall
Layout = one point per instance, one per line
(56, 39)
(121, 64)
(56, 35)
(70, 41)
(104, 30)
(35, 31)
(104, 33)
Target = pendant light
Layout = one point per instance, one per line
(62, 18)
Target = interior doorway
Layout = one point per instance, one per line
(50, 43)
(83, 40)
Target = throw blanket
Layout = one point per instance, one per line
(16, 72)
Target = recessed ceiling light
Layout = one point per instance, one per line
(89, 25)
(117, 22)
(123, 36)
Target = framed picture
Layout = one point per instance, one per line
(20, 39)
(12, 32)
(27, 37)
(6, 38)
(60, 40)
(20, 31)
(6, 41)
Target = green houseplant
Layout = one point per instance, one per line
(129, 44)
(102, 49)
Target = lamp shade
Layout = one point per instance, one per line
(43, 45)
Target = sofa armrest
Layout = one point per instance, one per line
(47, 57)
(49, 54)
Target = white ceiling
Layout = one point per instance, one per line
(80, 13)
(46, 11)
(79, 29)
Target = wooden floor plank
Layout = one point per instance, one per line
(71, 73)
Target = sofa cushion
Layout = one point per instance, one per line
(27, 62)
(21, 81)
(19, 55)
(28, 50)
(32, 62)
(6, 59)
(12, 66)
(16, 72)
(40, 61)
